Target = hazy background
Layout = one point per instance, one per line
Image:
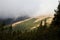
(16, 8)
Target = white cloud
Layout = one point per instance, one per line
(15, 8)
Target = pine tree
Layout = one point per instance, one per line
(56, 19)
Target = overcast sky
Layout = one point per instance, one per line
(15, 8)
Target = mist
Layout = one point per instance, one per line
(17, 8)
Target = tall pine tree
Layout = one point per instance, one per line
(56, 19)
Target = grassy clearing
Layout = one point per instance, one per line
(30, 24)
(25, 25)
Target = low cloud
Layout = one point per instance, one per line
(16, 8)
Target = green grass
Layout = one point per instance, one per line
(25, 25)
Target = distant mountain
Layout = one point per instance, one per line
(12, 20)
(6, 21)
(21, 18)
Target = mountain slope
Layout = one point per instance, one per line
(30, 24)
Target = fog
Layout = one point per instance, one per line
(17, 8)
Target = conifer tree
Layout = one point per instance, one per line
(56, 19)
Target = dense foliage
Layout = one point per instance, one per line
(42, 33)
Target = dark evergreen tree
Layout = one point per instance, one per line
(10, 28)
(56, 22)
(56, 19)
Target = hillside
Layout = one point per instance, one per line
(8, 21)
(31, 23)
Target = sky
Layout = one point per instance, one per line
(16, 8)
